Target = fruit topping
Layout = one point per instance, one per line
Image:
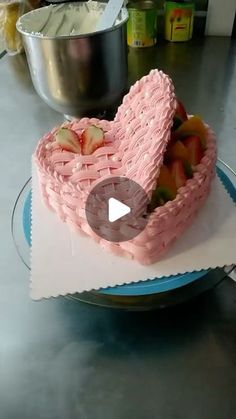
(176, 151)
(193, 126)
(178, 173)
(165, 179)
(181, 112)
(68, 140)
(184, 152)
(91, 138)
(165, 190)
(160, 196)
(188, 169)
(194, 146)
(176, 123)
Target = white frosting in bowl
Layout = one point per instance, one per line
(66, 19)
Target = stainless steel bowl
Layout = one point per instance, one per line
(78, 75)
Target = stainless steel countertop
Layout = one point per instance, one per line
(63, 359)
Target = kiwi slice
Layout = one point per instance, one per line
(188, 169)
(160, 196)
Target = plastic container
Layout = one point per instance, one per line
(179, 17)
(142, 24)
(10, 11)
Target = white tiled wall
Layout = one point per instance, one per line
(220, 17)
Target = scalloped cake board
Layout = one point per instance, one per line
(63, 262)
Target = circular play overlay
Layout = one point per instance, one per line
(116, 209)
(146, 287)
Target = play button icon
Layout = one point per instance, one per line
(116, 209)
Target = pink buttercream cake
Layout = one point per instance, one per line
(135, 143)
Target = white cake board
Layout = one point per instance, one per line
(63, 262)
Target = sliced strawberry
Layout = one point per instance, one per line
(177, 151)
(91, 138)
(181, 112)
(68, 140)
(178, 173)
(194, 147)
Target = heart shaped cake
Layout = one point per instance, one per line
(151, 141)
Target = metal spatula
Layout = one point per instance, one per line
(109, 15)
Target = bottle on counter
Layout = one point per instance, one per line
(179, 17)
(142, 23)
